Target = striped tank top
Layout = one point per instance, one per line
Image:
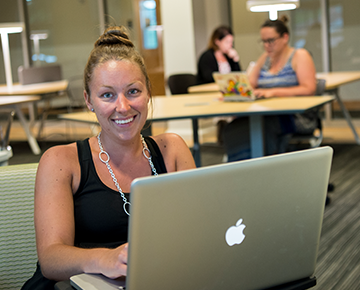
(286, 77)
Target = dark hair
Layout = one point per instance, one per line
(113, 44)
(279, 25)
(218, 34)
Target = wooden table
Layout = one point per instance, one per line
(34, 89)
(195, 106)
(16, 102)
(204, 88)
(333, 82)
(39, 90)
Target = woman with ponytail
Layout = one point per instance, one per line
(280, 71)
(82, 189)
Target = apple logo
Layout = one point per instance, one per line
(234, 234)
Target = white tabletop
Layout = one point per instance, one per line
(15, 100)
(34, 89)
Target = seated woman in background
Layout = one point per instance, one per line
(280, 71)
(82, 189)
(219, 57)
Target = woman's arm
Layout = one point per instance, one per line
(304, 68)
(57, 179)
(255, 71)
(176, 153)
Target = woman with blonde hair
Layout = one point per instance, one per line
(82, 189)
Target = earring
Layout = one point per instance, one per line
(92, 110)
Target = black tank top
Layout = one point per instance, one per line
(100, 220)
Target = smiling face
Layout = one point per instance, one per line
(225, 44)
(119, 97)
(273, 42)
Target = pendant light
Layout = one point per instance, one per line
(272, 6)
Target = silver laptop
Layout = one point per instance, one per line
(234, 86)
(244, 225)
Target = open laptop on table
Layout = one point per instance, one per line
(234, 86)
(251, 224)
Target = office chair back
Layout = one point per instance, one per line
(39, 74)
(320, 87)
(17, 241)
(179, 83)
(75, 92)
(316, 137)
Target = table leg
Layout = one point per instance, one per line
(196, 146)
(256, 136)
(346, 115)
(32, 141)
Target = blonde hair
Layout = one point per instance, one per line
(114, 44)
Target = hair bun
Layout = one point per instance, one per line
(284, 19)
(114, 35)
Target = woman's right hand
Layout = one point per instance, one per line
(113, 263)
(232, 53)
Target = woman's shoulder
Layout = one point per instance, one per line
(170, 144)
(168, 139)
(301, 53)
(209, 53)
(302, 57)
(60, 154)
(175, 152)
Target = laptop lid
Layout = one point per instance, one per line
(244, 225)
(234, 86)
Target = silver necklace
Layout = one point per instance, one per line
(145, 152)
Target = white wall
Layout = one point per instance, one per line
(179, 54)
(178, 36)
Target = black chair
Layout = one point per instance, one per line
(75, 92)
(179, 83)
(315, 138)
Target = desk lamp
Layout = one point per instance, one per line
(271, 6)
(5, 29)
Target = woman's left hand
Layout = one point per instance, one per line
(264, 93)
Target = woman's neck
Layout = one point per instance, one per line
(219, 56)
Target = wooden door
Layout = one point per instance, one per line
(150, 41)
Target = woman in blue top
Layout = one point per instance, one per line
(281, 71)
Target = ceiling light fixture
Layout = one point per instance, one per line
(272, 6)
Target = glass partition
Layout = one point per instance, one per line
(63, 35)
(344, 40)
(121, 12)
